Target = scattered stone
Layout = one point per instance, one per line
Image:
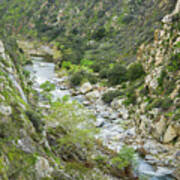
(43, 168)
(5, 110)
(85, 88)
(99, 122)
(92, 96)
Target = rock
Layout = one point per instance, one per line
(123, 112)
(176, 173)
(117, 103)
(85, 88)
(99, 122)
(170, 134)
(5, 110)
(113, 116)
(1, 48)
(43, 168)
(94, 95)
(131, 132)
(162, 171)
(177, 155)
(2, 98)
(86, 103)
(160, 127)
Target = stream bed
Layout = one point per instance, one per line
(109, 124)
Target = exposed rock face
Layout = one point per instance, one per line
(170, 134)
(43, 168)
(168, 18)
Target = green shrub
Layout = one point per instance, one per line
(98, 65)
(176, 117)
(160, 103)
(174, 64)
(104, 73)
(110, 95)
(66, 64)
(135, 71)
(35, 118)
(76, 78)
(47, 86)
(124, 158)
(166, 103)
(117, 74)
(163, 75)
(71, 139)
(130, 95)
(91, 78)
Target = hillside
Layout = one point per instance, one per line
(95, 30)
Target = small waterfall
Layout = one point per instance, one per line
(16, 84)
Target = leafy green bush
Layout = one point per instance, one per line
(130, 95)
(166, 103)
(98, 65)
(110, 95)
(160, 103)
(47, 86)
(135, 71)
(66, 65)
(117, 74)
(72, 141)
(174, 64)
(76, 78)
(163, 75)
(91, 78)
(124, 158)
(104, 73)
(35, 118)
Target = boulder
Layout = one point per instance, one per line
(5, 110)
(85, 88)
(1, 48)
(43, 168)
(170, 134)
(160, 127)
(94, 95)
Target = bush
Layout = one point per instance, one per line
(77, 78)
(110, 95)
(124, 158)
(117, 74)
(91, 78)
(97, 66)
(130, 95)
(135, 71)
(160, 103)
(163, 75)
(47, 86)
(104, 73)
(174, 64)
(66, 65)
(35, 118)
(166, 103)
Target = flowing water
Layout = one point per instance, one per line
(42, 71)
